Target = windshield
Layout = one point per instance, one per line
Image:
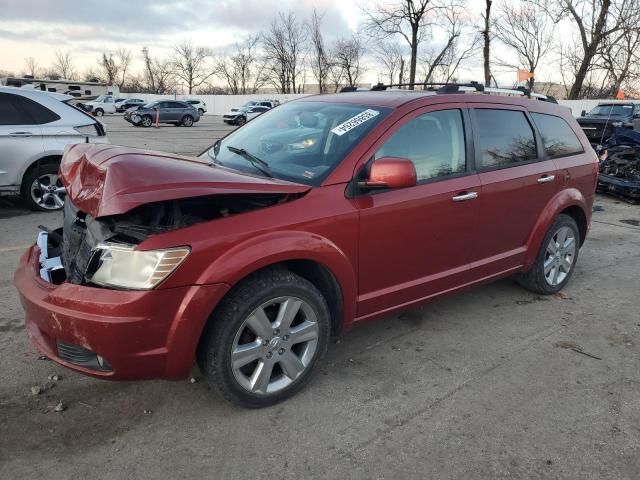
(101, 98)
(299, 141)
(613, 110)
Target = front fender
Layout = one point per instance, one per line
(276, 247)
(562, 200)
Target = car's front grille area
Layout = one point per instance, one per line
(82, 356)
(596, 132)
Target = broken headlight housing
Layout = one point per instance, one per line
(120, 266)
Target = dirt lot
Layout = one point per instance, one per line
(495, 383)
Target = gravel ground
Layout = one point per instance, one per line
(494, 383)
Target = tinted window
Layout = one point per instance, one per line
(175, 105)
(434, 142)
(612, 109)
(9, 114)
(504, 137)
(557, 135)
(18, 110)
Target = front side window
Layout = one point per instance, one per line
(434, 142)
(301, 141)
(559, 140)
(504, 137)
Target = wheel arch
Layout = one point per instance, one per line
(570, 202)
(46, 160)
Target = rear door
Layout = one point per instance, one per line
(166, 112)
(20, 139)
(415, 242)
(518, 180)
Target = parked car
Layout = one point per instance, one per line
(322, 214)
(128, 103)
(241, 115)
(103, 104)
(169, 111)
(620, 165)
(198, 105)
(35, 126)
(599, 122)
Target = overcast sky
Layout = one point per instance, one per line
(86, 28)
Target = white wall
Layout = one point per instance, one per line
(217, 104)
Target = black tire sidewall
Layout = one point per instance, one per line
(99, 112)
(184, 120)
(215, 355)
(143, 119)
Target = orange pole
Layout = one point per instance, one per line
(157, 118)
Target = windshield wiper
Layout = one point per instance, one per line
(255, 161)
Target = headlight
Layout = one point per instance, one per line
(121, 266)
(616, 124)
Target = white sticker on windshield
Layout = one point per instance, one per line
(355, 121)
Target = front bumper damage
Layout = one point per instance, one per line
(112, 334)
(620, 165)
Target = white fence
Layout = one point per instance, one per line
(219, 104)
(216, 104)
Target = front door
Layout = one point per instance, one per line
(416, 242)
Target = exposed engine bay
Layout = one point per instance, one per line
(622, 161)
(75, 243)
(620, 165)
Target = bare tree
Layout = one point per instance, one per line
(347, 57)
(63, 65)
(320, 63)
(389, 55)
(109, 68)
(32, 66)
(124, 60)
(190, 64)
(486, 41)
(620, 58)
(522, 29)
(283, 46)
(158, 74)
(242, 69)
(598, 22)
(407, 18)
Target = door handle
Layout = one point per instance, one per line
(546, 178)
(20, 134)
(463, 197)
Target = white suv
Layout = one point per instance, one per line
(35, 128)
(197, 104)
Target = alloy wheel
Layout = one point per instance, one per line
(48, 192)
(560, 255)
(274, 345)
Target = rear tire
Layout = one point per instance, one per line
(556, 259)
(252, 321)
(187, 121)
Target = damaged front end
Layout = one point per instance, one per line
(117, 198)
(620, 165)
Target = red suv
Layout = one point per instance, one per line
(321, 214)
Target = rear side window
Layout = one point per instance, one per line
(18, 110)
(177, 105)
(434, 142)
(504, 138)
(559, 140)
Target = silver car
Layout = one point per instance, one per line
(35, 128)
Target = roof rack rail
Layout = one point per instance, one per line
(444, 88)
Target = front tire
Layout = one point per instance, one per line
(556, 258)
(241, 121)
(264, 340)
(99, 112)
(42, 188)
(146, 121)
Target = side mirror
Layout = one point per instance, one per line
(583, 113)
(390, 172)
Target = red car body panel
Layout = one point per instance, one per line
(386, 250)
(109, 180)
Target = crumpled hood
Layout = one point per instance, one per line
(104, 180)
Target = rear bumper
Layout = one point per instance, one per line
(141, 334)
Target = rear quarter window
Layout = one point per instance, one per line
(558, 137)
(504, 138)
(19, 110)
